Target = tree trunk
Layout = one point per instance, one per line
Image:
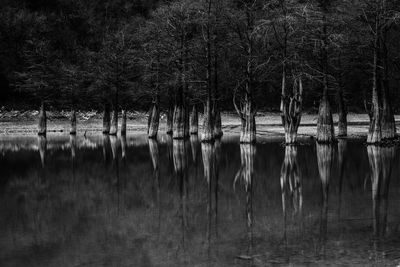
(123, 123)
(217, 122)
(194, 121)
(207, 131)
(291, 110)
(388, 125)
(248, 133)
(325, 130)
(73, 122)
(170, 116)
(114, 122)
(106, 120)
(42, 124)
(180, 125)
(154, 120)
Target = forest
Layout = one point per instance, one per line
(185, 57)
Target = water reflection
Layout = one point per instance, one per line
(381, 162)
(72, 143)
(246, 175)
(180, 159)
(244, 200)
(42, 144)
(291, 186)
(325, 159)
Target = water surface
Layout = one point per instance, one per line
(106, 201)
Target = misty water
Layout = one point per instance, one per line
(107, 201)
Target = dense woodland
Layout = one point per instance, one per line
(186, 56)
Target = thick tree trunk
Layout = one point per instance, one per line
(42, 124)
(388, 125)
(194, 121)
(180, 122)
(207, 134)
(123, 123)
(73, 122)
(106, 120)
(170, 118)
(154, 120)
(291, 110)
(217, 122)
(325, 129)
(114, 122)
(248, 133)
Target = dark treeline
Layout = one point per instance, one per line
(185, 55)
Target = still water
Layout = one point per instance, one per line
(106, 201)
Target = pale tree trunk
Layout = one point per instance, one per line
(325, 129)
(194, 121)
(106, 120)
(248, 133)
(207, 130)
(291, 181)
(114, 122)
(291, 109)
(154, 120)
(381, 163)
(123, 123)
(42, 123)
(73, 122)
(180, 122)
(170, 116)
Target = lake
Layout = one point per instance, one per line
(107, 201)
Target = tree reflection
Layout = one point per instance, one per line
(72, 144)
(42, 144)
(123, 148)
(325, 159)
(155, 160)
(246, 175)
(106, 145)
(381, 163)
(291, 183)
(180, 159)
(342, 148)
